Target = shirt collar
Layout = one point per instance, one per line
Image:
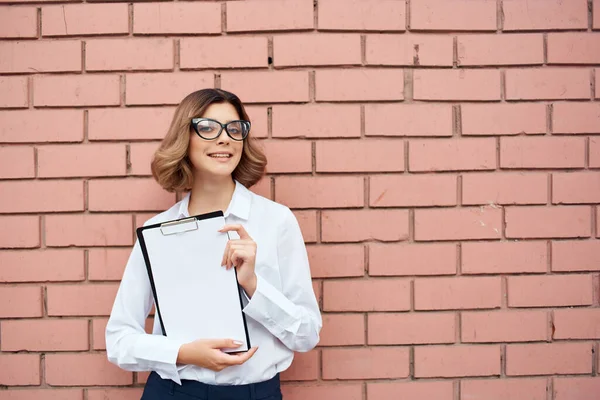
(239, 205)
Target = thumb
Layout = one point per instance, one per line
(224, 343)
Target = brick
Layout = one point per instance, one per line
(441, 390)
(41, 196)
(263, 188)
(41, 266)
(362, 15)
(320, 49)
(493, 49)
(366, 363)
(411, 328)
(141, 122)
(18, 22)
(140, 158)
(596, 16)
(320, 192)
(76, 90)
(457, 85)
(20, 369)
(16, 162)
(412, 259)
(457, 293)
(129, 54)
(576, 323)
(412, 190)
(121, 394)
(457, 361)
(503, 119)
(99, 333)
(452, 154)
(128, 194)
(260, 120)
(315, 121)
(164, 88)
(342, 330)
(40, 56)
(20, 302)
(73, 370)
(308, 225)
(361, 225)
(45, 335)
(575, 118)
(576, 388)
(366, 155)
(346, 391)
(264, 15)
(336, 261)
(459, 224)
(264, 86)
(548, 222)
(411, 119)
(46, 394)
(462, 15)
(35, 126)
(548, 358)
(83, 160)
(107, 264)
(594, 153)
(173, 18)
(549, 290)
(547, 83)
(576, 187)
(20, 231)
(366, 295)
(504, 188)
(80, 300)
(85, 19)
(575, 255)
(545, 14)
(318, 289)
(573, 48)
(502, 389)
(359, 84)
(13, 92)
(89, 230)
(504, 257)
(597, 94)
(287, 156)
(305, 367)
(542, 152)
(414, 49)
(504, 326)
(223, 52)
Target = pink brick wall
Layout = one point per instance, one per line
(442, 157)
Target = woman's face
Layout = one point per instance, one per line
(220, 156)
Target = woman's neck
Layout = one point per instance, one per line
(211, 195)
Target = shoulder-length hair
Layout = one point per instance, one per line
(171, 166)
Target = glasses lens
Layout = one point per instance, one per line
(238, 129)
(208, 129)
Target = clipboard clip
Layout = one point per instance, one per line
(181, 226)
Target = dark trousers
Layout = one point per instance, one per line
(165, 389)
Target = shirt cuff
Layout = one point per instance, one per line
(272, 309)
(167, 356)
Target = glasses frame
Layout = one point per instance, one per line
(195, 121)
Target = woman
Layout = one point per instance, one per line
(209, 152)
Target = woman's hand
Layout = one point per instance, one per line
(241, 253)
(206, 353)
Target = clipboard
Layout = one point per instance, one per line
(195, 297)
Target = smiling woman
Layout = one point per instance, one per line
(209, 153)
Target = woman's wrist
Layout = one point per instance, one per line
(250, 287)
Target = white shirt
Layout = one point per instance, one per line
(282, 316)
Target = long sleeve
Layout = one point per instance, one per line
(292, 313)
(127, 343)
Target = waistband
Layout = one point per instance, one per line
(253, 391)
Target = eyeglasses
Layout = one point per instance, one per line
(209, 129)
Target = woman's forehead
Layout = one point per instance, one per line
(222, 112)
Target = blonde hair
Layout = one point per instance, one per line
(171, 166)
